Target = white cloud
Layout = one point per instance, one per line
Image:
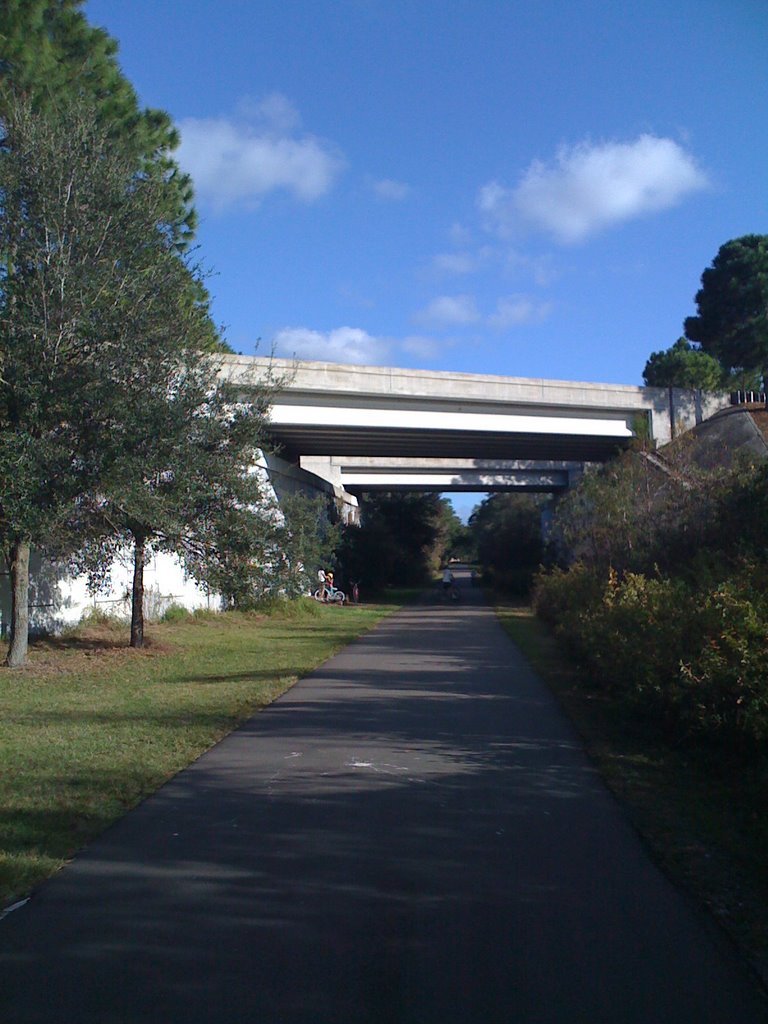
(422, 346)
(450, 310)
(275, 113)
(461, 311)
(394, 191)
(240, 160)
(589, 187)
(518, 309)
(455, 262)
(463, 261)
(542, 270)
(342, 345)
(460, 235)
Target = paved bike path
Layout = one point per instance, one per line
(411, 835)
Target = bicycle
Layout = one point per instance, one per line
(330, 595)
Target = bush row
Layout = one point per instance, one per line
(692, 652)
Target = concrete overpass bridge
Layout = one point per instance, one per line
(363, 428)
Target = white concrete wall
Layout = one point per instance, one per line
(59, 600)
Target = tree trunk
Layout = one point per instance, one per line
(17, 651)
(137, 600)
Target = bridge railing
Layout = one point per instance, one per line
(747, 397)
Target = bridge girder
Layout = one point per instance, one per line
(325, 411)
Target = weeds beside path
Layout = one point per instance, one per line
(701, 810)
(90, 727)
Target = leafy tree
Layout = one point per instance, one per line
(307, 540)
(732, 320)
(51, 60)
(507, 530)
(401, 539)
(683, 366)
(174, 466)
(94, 300)
(458, 541)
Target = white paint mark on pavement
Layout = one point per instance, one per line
(14, 906)
(382, 769)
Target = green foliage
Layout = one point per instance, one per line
(253, 553)
(561, 596)
(683, 366)
(679, 625)
(694, 657)
(96, 616)
(308, 541)
(109, 384)
(459, 541)
(175, 613)
(49, 55)
(507, 532)
(402, 539)
(723, 686)
(644, 510)
(91, 286)
(732, 320)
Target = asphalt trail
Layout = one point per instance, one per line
(411, 835)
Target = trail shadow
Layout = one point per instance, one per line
(410, 836)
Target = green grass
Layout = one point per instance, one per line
(702, 811)
(89, 728)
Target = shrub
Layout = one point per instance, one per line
(96, 616)
(722, 686)
(626, 630)
(692, 655)
(175, 613)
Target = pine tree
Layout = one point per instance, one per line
(732, 320)
(49, 53)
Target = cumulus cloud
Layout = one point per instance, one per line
(342, 345)
(518, 309)
(463, 261)
(421, 346)
(239, 160)
(461, 311)
(590, 187)
(450, 311)
(455, 262)
(394, 191)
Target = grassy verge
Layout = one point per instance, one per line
(90, 727)
(701, 810)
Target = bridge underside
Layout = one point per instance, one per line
(368, 428)
(304, 428)
(360, 474)
(324, 439)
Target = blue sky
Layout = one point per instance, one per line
(519, 187)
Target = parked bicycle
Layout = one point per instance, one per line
(327, 592)
(330, 595)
